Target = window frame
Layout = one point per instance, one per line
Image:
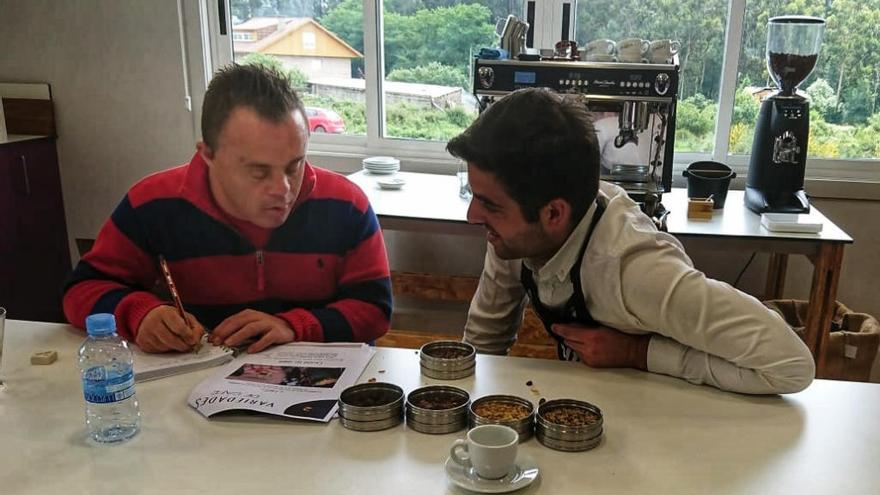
(431, 156)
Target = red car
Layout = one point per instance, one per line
(323, 120)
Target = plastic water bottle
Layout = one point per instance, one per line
(105, 362)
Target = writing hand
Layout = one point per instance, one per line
(250, 324)
(603, 347)
(163, 330)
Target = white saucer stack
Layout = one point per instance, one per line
(382, 165)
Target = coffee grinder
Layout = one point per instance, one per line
(779, 152)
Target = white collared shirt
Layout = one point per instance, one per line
(553, 280)
(640, 281)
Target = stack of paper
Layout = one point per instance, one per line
(152, 366)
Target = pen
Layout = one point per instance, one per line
(175, 296)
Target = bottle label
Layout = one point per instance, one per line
(101, 387)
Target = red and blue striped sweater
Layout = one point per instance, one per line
(324, 271)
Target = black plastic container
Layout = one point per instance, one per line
(709, 178)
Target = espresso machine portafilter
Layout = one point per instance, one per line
(632, 120)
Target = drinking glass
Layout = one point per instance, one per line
(464, 187)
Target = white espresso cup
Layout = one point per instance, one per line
(490, 449)
(662, 51)
(599, 47)
(632, 50)
(632, 47)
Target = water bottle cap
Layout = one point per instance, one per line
(100, 324)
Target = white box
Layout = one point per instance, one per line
(790, 222)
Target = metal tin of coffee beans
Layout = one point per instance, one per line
(507, 410)
(437, 409)
(371, 406)
(569, 425)
(447, 359)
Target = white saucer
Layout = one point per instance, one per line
(522, 476)
(382, 171)
(391, 183)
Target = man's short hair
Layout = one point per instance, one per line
(265, 90)
(540, 145)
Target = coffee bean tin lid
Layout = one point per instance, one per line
(447, 354)
(569, 424)
(371, 401)
(508, 410)
(437, 409)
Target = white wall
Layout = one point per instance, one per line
(117, 80)
(117, 83)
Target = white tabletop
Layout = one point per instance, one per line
(662, 435)
(434, 198)
(736, 220)
(424, 196)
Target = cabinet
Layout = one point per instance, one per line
(34, 254)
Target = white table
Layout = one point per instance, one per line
(430, 202)
(662, 435)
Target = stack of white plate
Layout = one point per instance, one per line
(381, 164)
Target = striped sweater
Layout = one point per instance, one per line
(324, 271)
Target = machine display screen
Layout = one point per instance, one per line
(523, 77)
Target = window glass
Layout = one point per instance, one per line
(429, 48)
(698, 26)
(844, 88)
(319, 44)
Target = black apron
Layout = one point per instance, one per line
(575, 309)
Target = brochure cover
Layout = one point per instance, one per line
(299, 380)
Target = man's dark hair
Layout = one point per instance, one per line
(267, 91)
(540, 145)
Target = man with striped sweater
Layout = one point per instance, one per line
(264, 248)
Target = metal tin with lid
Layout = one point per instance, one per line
(447, 359)
(371, 406)
(569, 425)
(504, 405)
(437, 409)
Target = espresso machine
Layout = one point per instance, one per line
(633, 105)
(779, 151)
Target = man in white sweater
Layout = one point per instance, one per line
(611, 289)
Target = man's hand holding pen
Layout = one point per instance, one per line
(169, 328)
(163, 330)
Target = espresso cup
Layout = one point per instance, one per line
(632, 47)
(490, 449)
(599, 47)
(662, 51)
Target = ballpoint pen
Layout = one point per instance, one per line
(176, 297)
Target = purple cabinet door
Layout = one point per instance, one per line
(41, 258)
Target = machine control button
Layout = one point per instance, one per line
(486, 75)
(661, 84)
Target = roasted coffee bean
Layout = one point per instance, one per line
(571, 416)
(439, 401)
(448, 353)
(501, 411)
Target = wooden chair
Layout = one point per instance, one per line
(532, 340)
